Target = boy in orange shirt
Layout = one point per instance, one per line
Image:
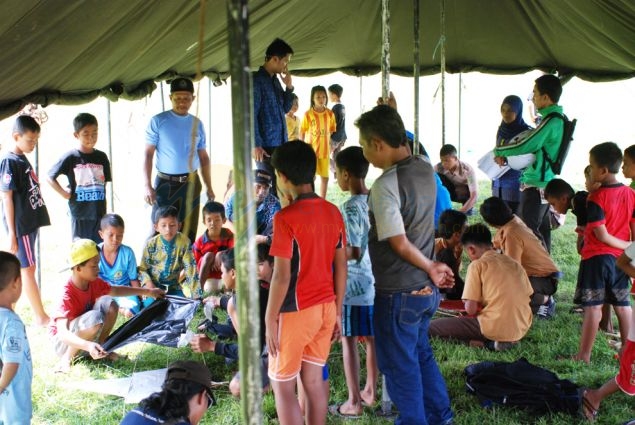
(306, 294)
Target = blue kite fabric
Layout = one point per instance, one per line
(161, 323)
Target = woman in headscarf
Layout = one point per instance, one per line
(507, 186)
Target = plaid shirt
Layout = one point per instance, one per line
(271, 103)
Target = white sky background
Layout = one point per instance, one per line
(604, 112)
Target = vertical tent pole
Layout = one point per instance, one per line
(386, 403)
(38, 257)
(245, 247)
(460, 104)
(162, 97)
(416, 72)
(109, 130)
(385, 48)
(209, 115)
(443, 72)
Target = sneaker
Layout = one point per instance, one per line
(504, 346)
(548, 310)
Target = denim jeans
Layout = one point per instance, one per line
(405, 357)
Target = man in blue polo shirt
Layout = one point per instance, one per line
(180, 153)
(271, 103)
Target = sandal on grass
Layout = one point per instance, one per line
(587, 409)
(334, 409)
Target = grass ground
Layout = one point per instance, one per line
(55, 403)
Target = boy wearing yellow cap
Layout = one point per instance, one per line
(86, 312)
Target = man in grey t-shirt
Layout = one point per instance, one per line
(401, 243)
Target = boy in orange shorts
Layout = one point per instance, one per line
(307, 289)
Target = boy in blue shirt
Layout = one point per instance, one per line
(357, 313)
(118, 265)
(87, 170)
(16, 369)
(401, 242)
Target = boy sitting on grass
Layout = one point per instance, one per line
(210, 244)
(118, 265)
(202, 343)
(448, 248)
(168, 255)
(517, 241)
(16, 369)
(86, 312)
(496, 296)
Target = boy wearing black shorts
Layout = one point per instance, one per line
(24, 211)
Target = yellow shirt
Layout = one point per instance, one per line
(317, 127)
(517, 241)
(501, 286)
(293, 127)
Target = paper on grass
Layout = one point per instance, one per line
(133, 389)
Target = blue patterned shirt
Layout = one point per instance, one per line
(271, 103)
(264, 213)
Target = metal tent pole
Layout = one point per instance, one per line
(245, 246)
(385, 48)
(460, 107)
(38, 257)
(442, 72)
(386, 403)
(109, 130)
(416, 72)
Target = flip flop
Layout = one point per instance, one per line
(588, 411)
(334, 409)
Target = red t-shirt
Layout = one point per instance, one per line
(76, 302)
(612, 206)
(308, 232)
(203, 245)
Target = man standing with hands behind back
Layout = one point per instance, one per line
(271, 103)
(169, 135)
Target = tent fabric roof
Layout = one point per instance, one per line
(70, 52)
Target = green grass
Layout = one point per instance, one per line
(55, 403)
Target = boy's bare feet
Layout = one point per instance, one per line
(346, 410)
(368, 397)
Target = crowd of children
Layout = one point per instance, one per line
(369, 271)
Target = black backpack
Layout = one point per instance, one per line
(567, 136)
(521, 384)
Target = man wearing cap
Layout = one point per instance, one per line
(185, 396)
(266, 206)
(177, 138)
(271, 103)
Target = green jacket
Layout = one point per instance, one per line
(549, 135)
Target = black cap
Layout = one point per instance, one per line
(189, 370)
(262, 177)
(181, 84)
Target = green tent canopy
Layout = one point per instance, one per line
(71, 51)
